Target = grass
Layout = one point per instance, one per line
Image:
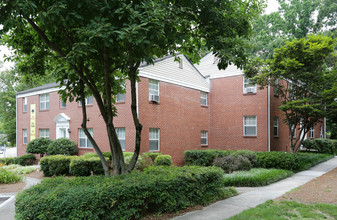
(7, 176)
(272, 210)
(20, 169)
(307, 160)
(256, 177)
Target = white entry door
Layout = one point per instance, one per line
(62, 126)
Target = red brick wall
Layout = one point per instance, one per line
(228, 107)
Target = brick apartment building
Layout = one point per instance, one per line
(180, 106)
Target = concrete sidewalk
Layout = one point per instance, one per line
(253, 196)
(7, 208)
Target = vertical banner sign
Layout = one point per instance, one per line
(32, 122)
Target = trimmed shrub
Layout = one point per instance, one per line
(327, 146)
(62, 146)
(131, 196)
(9, 160)
(277, 160)
(38, 146)
(163, 160)
(307, 160)
(202, 157)
(81, 166)
(151, 155)
(250, 155)
(26, 160)
(91, 154)
(55, 165)
(232, 163)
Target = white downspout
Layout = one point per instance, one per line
(324, 135)
(16, 122)
(137, 100)
(268, 117)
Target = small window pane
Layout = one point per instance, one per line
(154, 139)
(250, 126)
(203, 98)
(275, 126)
(153, 88)
(89, 100)
(204, 137)
(25, 104)
(83, 139)
(44, 101)
(121, 136)
(63, 104)
(120, 97)
(24, 134)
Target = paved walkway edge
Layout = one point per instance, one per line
(254, 196)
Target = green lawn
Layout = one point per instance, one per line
(288, 210)
(256, 177)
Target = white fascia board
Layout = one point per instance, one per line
(224, 76)
(172, 81)
(40, 92)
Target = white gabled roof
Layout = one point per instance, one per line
(167, 70)
(207, 67)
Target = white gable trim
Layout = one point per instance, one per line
(172, 81)
(39, 92)
(61, 118)
(224, 76)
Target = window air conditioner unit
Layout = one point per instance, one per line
(154, 98)
(250, 90)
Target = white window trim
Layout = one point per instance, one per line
(24, 105)
(276, 126)
(243, 121)
(44, 129)
(244, 88)
(122, 138)
(321, 135)
(45, 94)
(86, 138)
(155, 139)
(201, 137)
(24, 136)
(153, 80)
(86, 101)
(204, 93)
(312, 132)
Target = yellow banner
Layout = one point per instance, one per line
(32, 122)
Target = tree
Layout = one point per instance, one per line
(99, 44)
(299, 72)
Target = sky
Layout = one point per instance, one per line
(272, 6)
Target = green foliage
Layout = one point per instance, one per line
(151, 155)
(232, 163)
(163, 160)
(27, 159)
(288, 210)
(307, 160)
(62, 146)
(131, 196)
(202, 157)
(55, 165)
(255, 177)
(38, 146)
(81, 166)
(277, 160)
(328, 146)
(20, 169)
(250, 155)
(105, 154)
(7, 176)
(9, 160)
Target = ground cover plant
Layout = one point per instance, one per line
(307, 160)
(255, 177)
(327, 146)
(131, 196)
(20, 169)
(25, 160)
(7, 176)
(288, 210)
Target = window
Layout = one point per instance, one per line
(83, 139)
(203, 98)
(24, 135)
(312, 132)
(44, 101)
(88, 101)
(120, 97)
(63, 104)
(24, 104)
(44, 133)
(275, 126)
(275, 88)
(249, 126)
(153, 90)
(321, 132)
(204, 138)
(154, 139)
(248, 86)
(121, 136)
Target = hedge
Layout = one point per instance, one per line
(202, 157)
(131, 196)
(81, 166)
(163, 160)
(55, 165)
(62, 146)
(232, 163)
(327, 146)
(25, 160)
(277, 160)
(38, 146)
